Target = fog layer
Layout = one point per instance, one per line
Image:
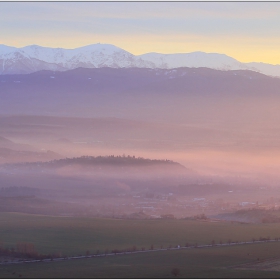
(222, 126)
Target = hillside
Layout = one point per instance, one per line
(100, 161)
(100, 168)
(138, 93)
(112, 160)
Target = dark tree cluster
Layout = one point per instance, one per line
(91, 161)
(25, 250)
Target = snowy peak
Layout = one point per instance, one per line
(194, 59)
(6, 49)
(52, 54)
(102, 48)
(91, 56)
(35, 58)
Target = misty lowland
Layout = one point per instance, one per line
(122, 166)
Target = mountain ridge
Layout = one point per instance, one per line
(135, 93)
(34, 58)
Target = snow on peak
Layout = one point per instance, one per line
(87, 56)
(37, 58)
(6, 49)
(194, 59)
(107, 48)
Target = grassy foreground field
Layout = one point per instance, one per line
(210, 262)
(73, 236)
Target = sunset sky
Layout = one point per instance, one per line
(247, 31)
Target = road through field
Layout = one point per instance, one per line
(136, 252)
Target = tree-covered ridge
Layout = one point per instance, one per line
(111, 160)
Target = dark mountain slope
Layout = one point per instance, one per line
(135, 93)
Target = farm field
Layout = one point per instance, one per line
(213, 262)
(74, 236)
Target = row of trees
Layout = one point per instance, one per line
(187, 244)
(27, 250)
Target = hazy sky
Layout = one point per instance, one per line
(247, 31)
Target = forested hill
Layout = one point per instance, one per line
(114, 161)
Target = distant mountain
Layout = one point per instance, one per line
(34, 58)
(194, 59)
(135, 93)
(8, 144)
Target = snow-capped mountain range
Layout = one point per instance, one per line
(35, 58)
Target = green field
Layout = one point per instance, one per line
(73, 236)
(192, 263)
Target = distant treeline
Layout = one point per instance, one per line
(99, 160)
(112, 160)
(24, 250)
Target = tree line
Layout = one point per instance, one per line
(88, 160)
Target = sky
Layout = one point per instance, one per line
(247, 31)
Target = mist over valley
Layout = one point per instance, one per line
(139, 140)
(214, 134)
